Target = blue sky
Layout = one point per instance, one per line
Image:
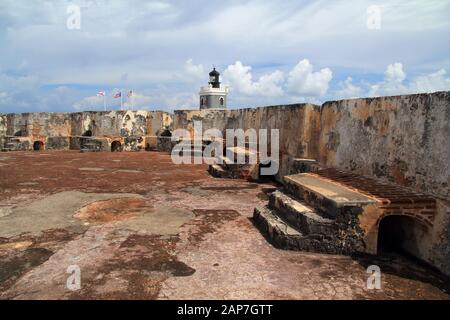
(268, 52)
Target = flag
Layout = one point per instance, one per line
(130, 93)
(118, 95)
(101, 94)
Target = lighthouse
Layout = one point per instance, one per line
(213, 96)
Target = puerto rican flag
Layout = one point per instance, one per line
(101, 94)
(118, 95)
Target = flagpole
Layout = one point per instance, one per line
(104, 101)
(121, 100)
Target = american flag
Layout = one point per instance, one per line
(130, 93)
(118, 95)
(101, 94)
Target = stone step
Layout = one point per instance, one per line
(329, 197)
(283, 236)
(299, 215)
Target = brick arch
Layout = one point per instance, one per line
(411, 215)
(418, 217)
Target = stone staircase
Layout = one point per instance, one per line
(313, 214)
(232, 168)
(332, 211)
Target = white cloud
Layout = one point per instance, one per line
(394, 82)
(394, 73)
(240, 78)
(137, 100)
(432, 82)
(348, 90)
(194, 72)
(149, 42)
(89, 103)
(304, 81)
(182, 101)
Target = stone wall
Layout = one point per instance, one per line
(298, 125)
(54, 129)
(120, 123)
(403, 139)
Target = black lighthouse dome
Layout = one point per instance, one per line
(214, 78)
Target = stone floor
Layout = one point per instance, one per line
(140, 227)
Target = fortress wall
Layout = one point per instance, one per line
(120, 123)
(210, 118)
(110, 123)
(403, 139)
(298, 126)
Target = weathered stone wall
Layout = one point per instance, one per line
(102, 123)
(120, 123)
(298, 126)
(403, 139)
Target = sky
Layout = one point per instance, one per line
(268, 52)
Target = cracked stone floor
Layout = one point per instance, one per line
(139, 227)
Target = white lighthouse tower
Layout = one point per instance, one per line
(214, 96)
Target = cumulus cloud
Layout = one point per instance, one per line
(240, 78)
(89, 103)
(194, 72)
(304, 81)
(349, 90)
(394, 82)
(436, 81)
(138, 101)
(145, 45)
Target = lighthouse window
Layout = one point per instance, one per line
(221, 101)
